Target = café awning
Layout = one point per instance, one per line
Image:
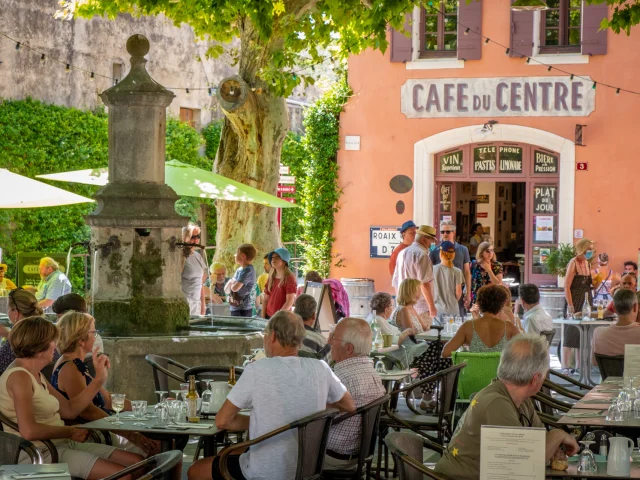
(17, 191)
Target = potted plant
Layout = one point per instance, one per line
(559, 258)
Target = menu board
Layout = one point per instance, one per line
(512, 452)
(445, 197)
(545, 199)
(451, 162)
(484, 159)
(544, 229)
(510, 159)
(544, 162)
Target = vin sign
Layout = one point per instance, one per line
(382, 241)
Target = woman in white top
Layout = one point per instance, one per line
(28, 399)
(194, 272)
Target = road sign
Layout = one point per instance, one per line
(286, 189)
(290, 200)
(290, 179)
(582, 166)
(284, 170)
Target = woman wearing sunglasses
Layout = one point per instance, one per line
(486, 271)
(194, 271)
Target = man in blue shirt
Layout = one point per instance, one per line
(53, 283)
(461, 260)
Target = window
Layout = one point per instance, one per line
(560, 29)
(440, 29)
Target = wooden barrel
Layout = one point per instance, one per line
(360, 291)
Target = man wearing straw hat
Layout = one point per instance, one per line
(413, 262)
(5, 283)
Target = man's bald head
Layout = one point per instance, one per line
(523, 357)
(287, 327)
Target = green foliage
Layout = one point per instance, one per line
(211, 134)
(293, 156)
(559, 258)
(626, 14)
(319, 190)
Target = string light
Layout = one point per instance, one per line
(466, 32)
(571, 77)
(528, 59)
(18, 46)
(549, 68)
(43, 58)
(618, 91)
(92, 76)
(68, 67)
(486, 40)
(210, 91)
(507, 51)
(594, 85)
(187, 91)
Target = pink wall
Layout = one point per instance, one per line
(606, 196)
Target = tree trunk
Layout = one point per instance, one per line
(249, 152)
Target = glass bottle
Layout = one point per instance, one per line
(206, 398)
(192, 401)
(232, 376)
(601, 310)
(586, 307)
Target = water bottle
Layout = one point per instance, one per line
(586, 307)
(206, 398)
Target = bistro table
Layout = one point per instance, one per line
(572, 472)
(584, 327)
(433, 334)
(9, 472)
(166, 434)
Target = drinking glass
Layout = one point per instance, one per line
(162, 413)
(161, 395)
(176, 394)
(570, 312)
(117, 403)
(175, 410)
(624, 401)
(139, 408)
(380, 368)
(206, 397)
(628, 382)
(458, 320)
(247, 360)
(613, 412)
(184, 389)
(636, 409)
(587, 462)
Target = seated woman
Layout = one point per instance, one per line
(488, 333)
(382, 304)
(29, 400)
(71, 377)
(409, 322)
(72, 302)
(506, 314)
(22, 304)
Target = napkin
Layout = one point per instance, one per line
(584, 414)
(397, 372)
(201, 426)
(41, 475)
(602, 400)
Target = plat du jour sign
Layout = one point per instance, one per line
(498, 97)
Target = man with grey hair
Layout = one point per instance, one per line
(350, 346)
(53, 283)
(277, 390)
(462, 260)
(506, 402)
(314, 342)
(610, 340)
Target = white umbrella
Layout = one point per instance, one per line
(17, 191)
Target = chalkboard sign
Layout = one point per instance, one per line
(510, 159)
(484, 159)
(545, 199)
(451, 162)
(544, 162)
(445, 197)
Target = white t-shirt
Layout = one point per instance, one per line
(278, 391)
(414, 262)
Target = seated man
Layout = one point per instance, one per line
(53, 283)
(535, 319)
(628, 282)
(350, 347)
(631, 267)
(277, 390)
(505, 402)
(313, 342)
(610, 340)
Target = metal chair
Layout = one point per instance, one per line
(11, 446)
(161, 372)
(47, 443)
(480, 370)
(390, 363)
(407, 452)
(548, 386)
(167, 465)
(313, 432)
(305, 354)
(610, 365)
(549, 334)
(568, 379)
(370, 418)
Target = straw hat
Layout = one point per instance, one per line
(427, 230)
(583, 245)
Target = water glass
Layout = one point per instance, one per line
(175, 410)
(636, 409)
(587, 462)
(139, 408)
(162, 413)
(380, 367)
(613, 412)
(624, 401)
(458, 320)
(162, 395)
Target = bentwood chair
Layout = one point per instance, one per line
(370, 418)
(407, 452)
(162, 373)
(4, 421)
(568, 379)
(11, 446)
(167, 465)
(548, 334)
(313, 433)
(610, 365)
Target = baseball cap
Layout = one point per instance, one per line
(448, 247)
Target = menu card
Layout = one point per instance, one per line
(631, 361)
(512, 452)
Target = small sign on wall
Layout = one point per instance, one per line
(578, 233)
(382, 241)
(482, 215)
(352, 142)
(582, 166)
(544, 198)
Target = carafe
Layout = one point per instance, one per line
(619, 460)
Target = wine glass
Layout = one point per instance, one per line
(587, 462)
(613, 413)
(570, 312)
(117, 404)
(161, 394)
(176, 394)
(247, 360)
(380, 367)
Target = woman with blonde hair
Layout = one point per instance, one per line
(486, 271)
(577, 285)
(214, 285)
(26, 398)
(194, 271)
(22, 304)
(280, 292)
(71, 376)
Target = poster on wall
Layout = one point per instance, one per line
(451, 162)
(544, 229)
(382, 241)
(28, 267)
(545, 198)
(544, 162)
(510, 159)
(484, 159)
(482, 198)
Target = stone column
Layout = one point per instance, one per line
(136, 282)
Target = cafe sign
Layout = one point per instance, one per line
(498, 97)
(451, 162)
(545, 199)
(544, 162)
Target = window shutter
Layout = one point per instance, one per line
(400, 43)
(593, 42)
(521, 34)
(470, 15)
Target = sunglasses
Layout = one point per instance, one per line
(195, 236)
(446, 231)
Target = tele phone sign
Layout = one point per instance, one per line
(382, 241)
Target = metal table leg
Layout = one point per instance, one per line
(588, 334)
(582, 351)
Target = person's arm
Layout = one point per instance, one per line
(467, 282)
(403, 336)
(459, 287)
(72, 382)
(427, 292)
(229, 418)
(265, 301)
(203, 303)
(392, 261)
(556, 438)
(290, 299)
(496, 279)
(568, 280)
(345, 404)
(456, 342)
(45, 303)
